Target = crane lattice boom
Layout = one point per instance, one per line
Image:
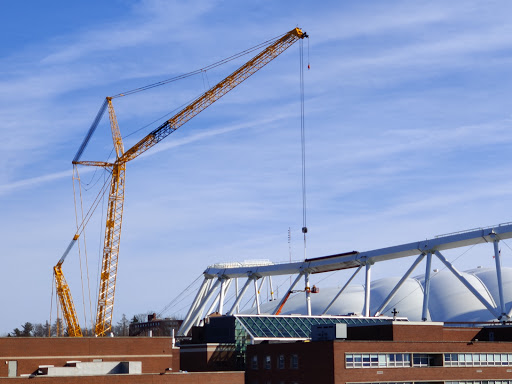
(214, 93)
(116, 196)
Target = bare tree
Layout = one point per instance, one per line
(122, 327)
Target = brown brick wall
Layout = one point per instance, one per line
(156, 354)
(173, 378)
(343, 375)
(315, 363)
(208, 357)
(324, 362)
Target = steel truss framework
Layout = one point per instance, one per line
(218, 278)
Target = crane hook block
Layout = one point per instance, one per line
(304, 229)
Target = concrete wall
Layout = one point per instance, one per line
(94, 369)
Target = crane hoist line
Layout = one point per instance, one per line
(108, 275)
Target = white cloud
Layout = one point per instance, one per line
(406, 117)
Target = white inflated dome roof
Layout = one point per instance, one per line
(449, 299)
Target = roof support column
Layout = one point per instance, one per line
(259, 290)
(308, 293)
(197, 299)
(285, 297)
(399, 285)
(240, 296)
(367, 289)
(199, 314)
(426, 292)
(185, 327)
(224, 286)
(222, 295)
(237, 309)
(341, 290)
(497, 259)
(257, 297)
(468, 285)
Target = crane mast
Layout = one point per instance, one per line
(112, 239)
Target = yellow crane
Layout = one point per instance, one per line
(64, 294)
(112, 238)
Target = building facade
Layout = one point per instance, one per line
(394, 353)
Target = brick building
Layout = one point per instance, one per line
(398, 352)
(110, 360)
(155, 327)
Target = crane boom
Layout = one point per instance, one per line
(64, 294)
(66, 303)
(116, 196)
(214, 93)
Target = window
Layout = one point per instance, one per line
(363, 360)
(280, 362)
(480, 382)
(254, 362)
(294, 361)
(268, 362)
(477, 359)
(420, 360)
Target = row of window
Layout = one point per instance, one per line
(387, 360)
(376, 360)
(480, 382)
(280, 363)
(477, 359)
(446, 382)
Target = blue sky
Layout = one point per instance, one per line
(407, 126)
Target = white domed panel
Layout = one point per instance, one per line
(408, 301)
(449, 299)
(489, 279)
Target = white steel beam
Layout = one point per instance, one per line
(341, 290)
(285, 297)
(240, 296)
(308, 293)
(222, 295)
(185, 327)
(497, 259)
(355, 259)
(367, 288)
(237, 293)
(215, 302)
(271, 288)
(259, 290)
(467, 284)
(197, 299)
(399, 285)
(426, 292)
(257, 297)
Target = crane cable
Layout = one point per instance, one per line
(303, 142)
(51, 305)
(77, 178)
(103, 107)
(200, 70)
